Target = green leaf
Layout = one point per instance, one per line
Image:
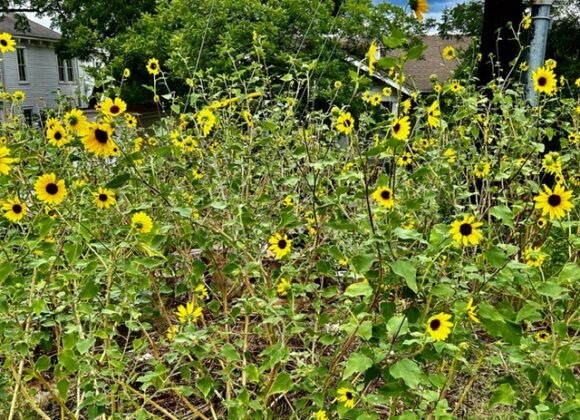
(119, 181)
(504, 394)
(90, 290)
(387, 62)
(230, 353)
(361, 288)
(72, 252)
(407, 270)
(416, 51)
(529, 312)
(356, 363)
(282, 384)
(85, 345)
(42, 364)
(205, 385)
(555, 374)
(6, 268)
(551, 289)
(486, 311)
(496, 257)
(504, 214)
(568, 357)
(63, 386)
(570, 273)
(362, 263)
(408, 371)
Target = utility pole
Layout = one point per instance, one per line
(541, 22)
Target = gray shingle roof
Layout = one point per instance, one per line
(36, 30)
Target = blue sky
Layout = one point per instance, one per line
(435, 6)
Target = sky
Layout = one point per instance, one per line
(435, 9)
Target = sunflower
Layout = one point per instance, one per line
(153, 66)
(141, 222)
(451, 155)
(556, 203)
(542, 336)
(466, 231)
(126, 73)
(7, 44)
(283, 287)
(113, 107)
(371, 56)
(387, 91)
(75, 120)
(6, 161)
(433, 113)
(401, 128)
(439, 326)
(470, 309)
(405, 159)
(197, 174)
(201, 291)
(320, 415)
(346, 396)
(573, 138)
(552, 163)
(550, 64)
(104, 198)
(406, 106)
(50, 190)
(188, 313)
(130, 120)
(19, 96)
(542, 222)
(14, 209)
(51, 122)
(280, 245)
(375, 99)
(57, 136)
(98, 139)
(172, 331)
(524, 66)
(544, 81)
(455, 87)
(337, 84)
(247, 116)
(482, 169)
(206, 120)
(345, 123)
(449, 53)
(534, 257)
(526, 21)
(419, 7)
(384, 196)
(366, 96)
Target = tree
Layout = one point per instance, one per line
(462, 19)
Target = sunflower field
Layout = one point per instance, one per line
(251, 256)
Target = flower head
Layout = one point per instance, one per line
(206, 119)
(371, 56)
(542, 336)
(153, 66)
(280, 245)
(188, 313)
(57, 136)
(449, 53)
(126, 73)
(544, 81)
(104, 198)
(98, 139)
(470, 309)
(345, 123)
(433, 113)
(75, 120)
(50, 190)
(552, 163)
(419, 7)
(439, 326)
(283, 287)
(6, 161)
(7, 44)
(405, 159)
(384, 196)
(534, 257)
(466, 232)
(113, 107)
(556, 203)
(346, 396)
(401, 128)
(141, 222)
(14, 209)
(482, 169)
(526, 21)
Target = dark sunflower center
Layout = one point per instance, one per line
(542, 81)
(4, 42)
(465, 229)
(554, 200)
(51, 188)
(435, 324)
(396, 127)
(153, 66)
(103, 197)
(115, 109)
(282, 243)
(138, 225)
(73, 120)
(385, 195)
(347, 123)
(58, 135)
(349, 395)
(543, 335)
(102, 136)
(17, 208)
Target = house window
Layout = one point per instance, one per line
(70, 72)
(61, 72)
(66, 71)
(21, 64)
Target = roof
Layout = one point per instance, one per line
(36, 31)
(419, 71)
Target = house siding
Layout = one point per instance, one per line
(42, 84)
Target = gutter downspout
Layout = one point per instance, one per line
(541, 21)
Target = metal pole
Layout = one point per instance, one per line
(541, 23)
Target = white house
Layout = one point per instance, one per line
(36, 69)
